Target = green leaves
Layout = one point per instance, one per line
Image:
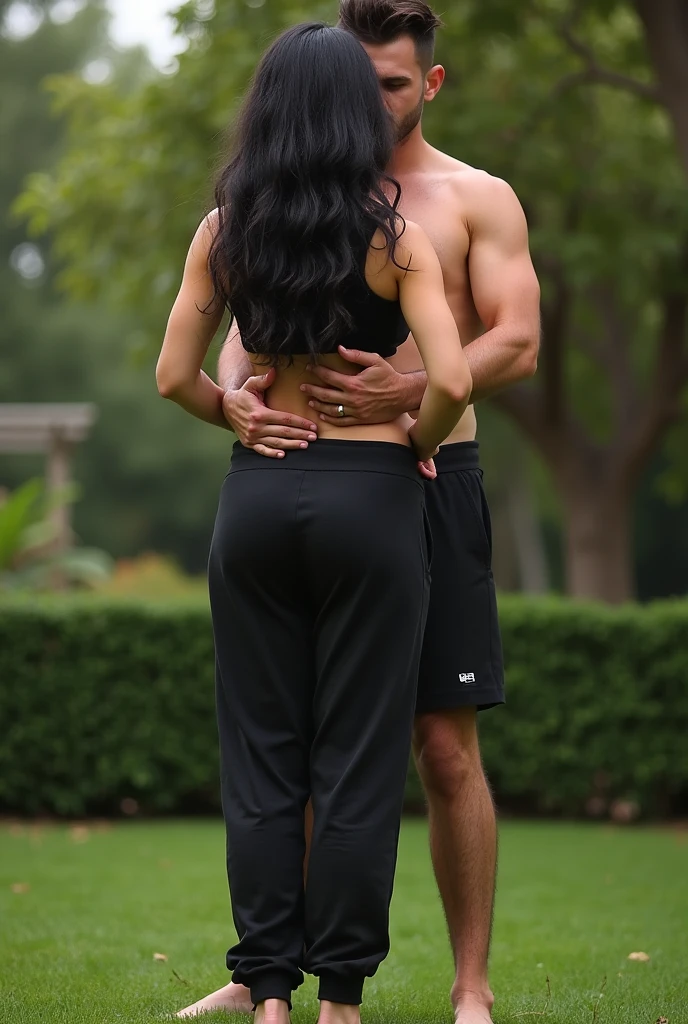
(18, 514)
(130, 690)
(136, 177)
(555, 96)
(28, 559)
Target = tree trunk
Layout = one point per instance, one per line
(505, 561)
(527, 533)
(666, 31)
(598, 543)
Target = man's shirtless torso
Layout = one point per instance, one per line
(480, 235)
(438, 197)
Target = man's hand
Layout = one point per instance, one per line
(265, 430)
(377, 394)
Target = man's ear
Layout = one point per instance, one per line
(433, 82)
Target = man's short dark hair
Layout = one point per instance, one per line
(383, 21)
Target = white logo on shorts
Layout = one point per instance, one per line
(466, 677)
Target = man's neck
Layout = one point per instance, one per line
(409, 155)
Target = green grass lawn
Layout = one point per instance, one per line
(573, 902)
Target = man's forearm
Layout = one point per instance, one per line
(233, 366)
(496, 359)
(413, 384)
(501, 357)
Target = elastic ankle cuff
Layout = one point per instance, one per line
(336, 989)
(271, 985)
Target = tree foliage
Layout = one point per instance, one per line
(149, 476)
(564, 99)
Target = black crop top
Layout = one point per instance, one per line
(378, 324)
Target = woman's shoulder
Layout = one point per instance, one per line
(207, 229)
(414, 248)
(414, 238)
(204, 236)
(413, 251)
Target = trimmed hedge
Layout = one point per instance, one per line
(101, 701)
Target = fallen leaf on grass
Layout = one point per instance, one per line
(159, 956)
(20, 887)
(662, 1020)
(641, 957)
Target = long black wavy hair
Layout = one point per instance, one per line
(303, 194)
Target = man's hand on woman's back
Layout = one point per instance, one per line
(377, 394)
(267, 431)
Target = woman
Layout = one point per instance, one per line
(319, 564)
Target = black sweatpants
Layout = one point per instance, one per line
(319, 579)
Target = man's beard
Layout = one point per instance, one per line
(404, 127)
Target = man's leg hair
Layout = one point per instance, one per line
(463, 844)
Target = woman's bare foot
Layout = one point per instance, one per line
(232, 998)
(272, 1011)
(338, 1013)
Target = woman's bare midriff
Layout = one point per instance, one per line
(285, 395)
(406, 360)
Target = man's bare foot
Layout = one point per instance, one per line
(338, 1013)
(272, 1011)
(232, 998)
(473, 1008)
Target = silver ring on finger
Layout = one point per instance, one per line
(340, 411)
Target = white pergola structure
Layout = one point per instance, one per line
(53, 429)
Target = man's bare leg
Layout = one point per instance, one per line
(237, 998)
(463, 844)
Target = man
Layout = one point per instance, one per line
(479, 232)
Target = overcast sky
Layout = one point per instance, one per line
(145, 21)
(133, 21)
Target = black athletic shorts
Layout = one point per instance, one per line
(461, 664)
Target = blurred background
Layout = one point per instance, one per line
(114, 116)
(113, 119)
